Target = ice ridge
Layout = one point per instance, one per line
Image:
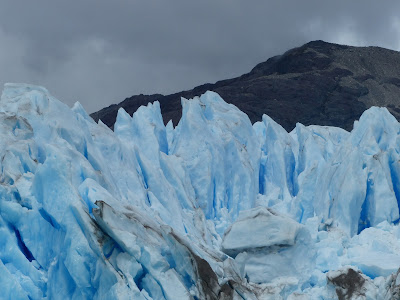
(215, 208)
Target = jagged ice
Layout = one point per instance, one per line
(212, 208)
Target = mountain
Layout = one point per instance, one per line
(215, 208)
(317, 83)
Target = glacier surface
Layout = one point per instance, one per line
(214, 208)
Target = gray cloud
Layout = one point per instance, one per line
(99, 52)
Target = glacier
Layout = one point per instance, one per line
(212, 208)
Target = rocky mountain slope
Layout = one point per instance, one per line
(317, 83)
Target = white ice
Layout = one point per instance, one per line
(212, 207)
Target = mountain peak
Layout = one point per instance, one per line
(317, 83)
(323, 44)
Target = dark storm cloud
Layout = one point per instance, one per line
(99, 52)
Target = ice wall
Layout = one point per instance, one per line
(210, 209)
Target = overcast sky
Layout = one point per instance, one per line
(99, 52)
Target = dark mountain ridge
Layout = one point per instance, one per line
(318, 83)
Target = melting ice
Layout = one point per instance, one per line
(213, 208)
